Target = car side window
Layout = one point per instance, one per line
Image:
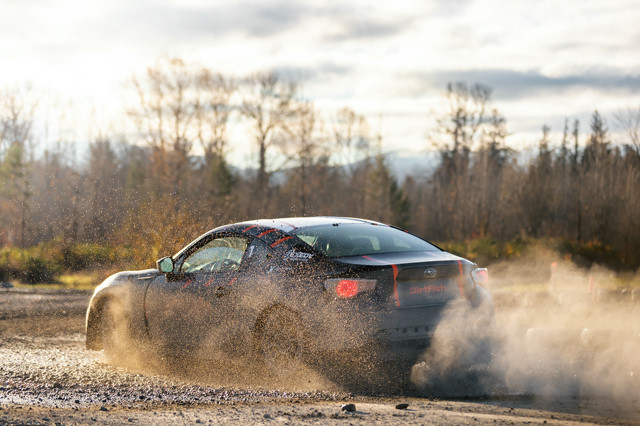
(221, 254)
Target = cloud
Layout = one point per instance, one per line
(352, 27)
(321, 71)
(216, 19)
(508, 84)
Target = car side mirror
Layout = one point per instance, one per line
(165, 265)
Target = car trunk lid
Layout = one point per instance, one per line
(419, 278)
(430, 283)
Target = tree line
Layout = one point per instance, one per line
(170, 180)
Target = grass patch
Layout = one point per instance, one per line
(56, 264)
(485, 251)
(82, 280)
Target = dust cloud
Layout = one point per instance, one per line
(227, 355)
(559, 331)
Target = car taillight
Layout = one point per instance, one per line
(346, 288)
(480, 276)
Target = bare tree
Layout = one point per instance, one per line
(212, 115)
(352, 157)
(308, 150)
(535, 191)
(597, 187)
(352, 138)
(16, 133)
(629, 120)
(103, 182)
(487, 174)
(165, 117)
(213, 111)
(466, 114)
(384, 200)
(459, 129)
(267, 102)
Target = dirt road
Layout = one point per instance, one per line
(47, 377)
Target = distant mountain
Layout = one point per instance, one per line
(419, 165)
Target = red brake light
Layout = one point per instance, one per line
(480, 276)
(347, 288)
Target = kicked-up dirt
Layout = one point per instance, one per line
(47, 377)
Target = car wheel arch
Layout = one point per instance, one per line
(94, 338)
(93, 335)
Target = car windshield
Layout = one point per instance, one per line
(357, 239)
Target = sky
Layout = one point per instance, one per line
(546, 60)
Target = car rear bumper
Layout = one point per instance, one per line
(402, 332)
(395, 331)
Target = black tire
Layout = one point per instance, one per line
(281, 342)
(113, 330)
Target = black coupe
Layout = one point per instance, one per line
(285, 289)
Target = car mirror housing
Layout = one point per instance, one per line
(165, 265)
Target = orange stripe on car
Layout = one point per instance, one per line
(396, 297)
(280, 241)
(251, 227)
(265, 233)
(461, 279)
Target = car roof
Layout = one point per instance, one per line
(289, 224)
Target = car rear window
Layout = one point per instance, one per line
(358, 239)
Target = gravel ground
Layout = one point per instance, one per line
(47, 377)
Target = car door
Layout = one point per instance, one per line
(187, 308)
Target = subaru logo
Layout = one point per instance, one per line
(429, 272)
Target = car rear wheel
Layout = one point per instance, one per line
(281, 342)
